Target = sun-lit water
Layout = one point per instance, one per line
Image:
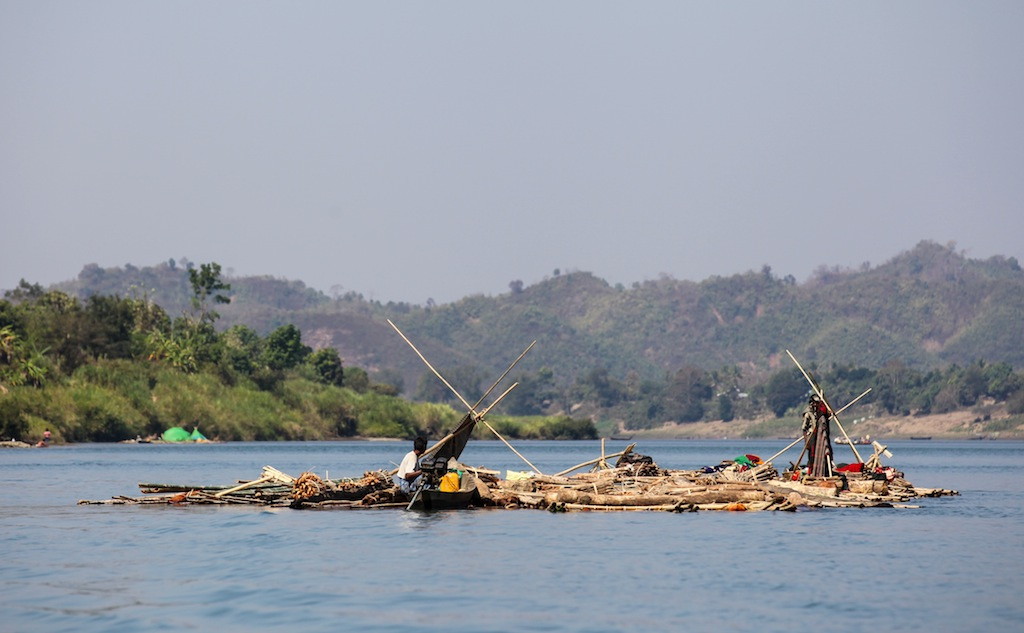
(951, 565)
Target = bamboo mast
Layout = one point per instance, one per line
(436, 373)
(831, 411)
(444, 440)
(498, 435)
(848, 405)
(502, 377)
(784, 450)
(472, 410)
(499, 399)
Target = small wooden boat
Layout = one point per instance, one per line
(446, 485)
(431, 498)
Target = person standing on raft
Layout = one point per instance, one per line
(818, 438)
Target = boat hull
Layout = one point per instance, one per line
(436, 500)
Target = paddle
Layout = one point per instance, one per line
(416, 495)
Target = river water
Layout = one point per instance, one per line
(953, 564)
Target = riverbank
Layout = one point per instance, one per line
(993, 423)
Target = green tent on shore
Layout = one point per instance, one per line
(176, 434)
(197, 436)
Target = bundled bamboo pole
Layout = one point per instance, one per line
(629, 449)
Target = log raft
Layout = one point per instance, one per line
(638, 486)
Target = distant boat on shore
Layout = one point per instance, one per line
(920, 437)
(853, 440)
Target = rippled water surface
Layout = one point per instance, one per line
(951, 565)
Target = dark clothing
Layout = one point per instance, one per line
(817, 430)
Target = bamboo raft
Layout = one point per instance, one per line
(630, 484)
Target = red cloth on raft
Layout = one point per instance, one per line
(850, 468)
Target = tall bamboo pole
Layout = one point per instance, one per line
(498, 435)
(472, 410)
(830, 410)
(850, 403)
(498, 399)
(784, 450)
(629, 449)
(502, 377)
(436, 373)
(444, 440)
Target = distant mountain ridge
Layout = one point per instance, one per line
(926, 307)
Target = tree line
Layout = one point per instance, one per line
(110, 368)
(691, 394)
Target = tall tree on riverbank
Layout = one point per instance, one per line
(206, 287)
(192, 339)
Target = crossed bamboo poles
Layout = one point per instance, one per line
(833, 414)
(848, 405)
(479, 417)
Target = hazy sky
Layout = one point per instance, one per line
(415, 150)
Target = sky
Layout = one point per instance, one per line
(415, 151)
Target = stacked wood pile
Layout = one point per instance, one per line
(620, 489)
(272, 488)
(630, 485)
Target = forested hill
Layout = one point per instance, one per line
(928, 307)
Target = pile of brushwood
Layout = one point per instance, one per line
(633, 483)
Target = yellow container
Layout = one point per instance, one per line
(450, 482)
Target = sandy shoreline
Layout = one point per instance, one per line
(958, 425)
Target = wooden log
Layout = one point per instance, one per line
(804, 489)
(933, 492)
(583, 507)
(724, 496)
(262, 480)
(333, 503)
(552, 480)
(147, 488)
(484, 492)
(676, 491)
(197, 496)
(602, 487)
(579, 507)
(868, 486)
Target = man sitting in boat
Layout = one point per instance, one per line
(409, 472)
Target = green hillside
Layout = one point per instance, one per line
(927, 307)
(929, 331)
